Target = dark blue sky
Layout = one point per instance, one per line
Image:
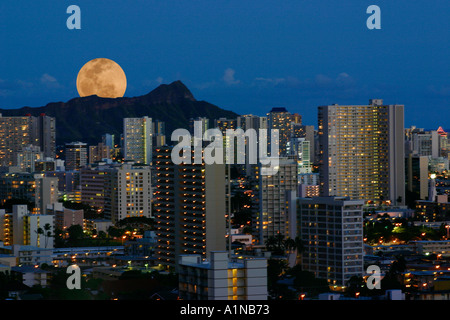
(245, 56)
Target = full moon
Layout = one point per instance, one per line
(101, 77)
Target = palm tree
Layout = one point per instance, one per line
(46, 232)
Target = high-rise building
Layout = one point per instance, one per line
(76, 155)
(190, 208)
(99, 153)
(444, 144)
(272, 218)
(14, 135)
(331, 230)
(128, 192)
(224, 124)
(159, 133)
(362, 151)
(92, 183)
(138, 139)
(416, 174)
(300, 150)
(43, 134)
(204, 124)
(256, 123)
(425, 143)
(281, 120)
(108, 140)
(19, 132)
(46, 192)
(249, 121)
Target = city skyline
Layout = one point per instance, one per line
(224, 150)
(238, 56)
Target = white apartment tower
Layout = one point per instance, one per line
(128, 192)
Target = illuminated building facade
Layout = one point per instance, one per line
(128, 192)
(138, 139)
(362, 151)
(19, 132)
(281, 120)
(331, 229)
(190, 208)
(272, 217)
(76, 155)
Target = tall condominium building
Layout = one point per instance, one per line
(128, 192)
(92, 184)
(46, 192)
(99, 153)
(300, 149)
(331, 230)
(416, 174)
(76, 155)
(272, 218)
(425, 143)
(281, 120)
(444, 144)
(223, 125)
(190, 208)
(204, 124)
(159, 133)
(362, 151)
(221, 278)
(19, 132)
(14, 135)
(109, 140)
(43, 134)
(249, 121)
(138, 139)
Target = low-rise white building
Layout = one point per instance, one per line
(32, 276)
(220, 278)
(441, 247)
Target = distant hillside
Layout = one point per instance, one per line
(86, 119)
